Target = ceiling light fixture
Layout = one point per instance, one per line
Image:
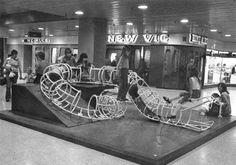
(40, 28)
(79, 12)
(164, 31)
(213, 30)
(129, 23)
(184, 20)
(143, 7)
(76, 26)
(11, 30)
(227, 35)
(50, 35)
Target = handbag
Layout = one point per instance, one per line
(3, 81)
(12, 74)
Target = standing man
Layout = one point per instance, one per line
(40, 66)
(122, 73)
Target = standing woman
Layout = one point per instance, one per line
(12, 65)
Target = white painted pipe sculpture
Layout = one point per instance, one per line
(56, 86)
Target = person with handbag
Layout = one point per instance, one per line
(11, 65)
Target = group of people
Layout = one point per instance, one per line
(12, 66)
(194, 90)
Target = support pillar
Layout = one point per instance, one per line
(93, 39)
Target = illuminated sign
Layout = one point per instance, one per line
(157, 38)
(197, 39)
(132, 38)
(123, 39)
(35, 40)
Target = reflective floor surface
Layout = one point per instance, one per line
(20, 145)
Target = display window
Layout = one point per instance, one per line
(220, 69)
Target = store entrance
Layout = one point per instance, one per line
(139, 59)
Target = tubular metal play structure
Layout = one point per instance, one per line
(56, 85)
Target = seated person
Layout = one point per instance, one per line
(68, 58)
(85, 67)
(133, 92)
(30, 77)
(223, 101)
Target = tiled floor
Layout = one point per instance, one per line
(20, 145)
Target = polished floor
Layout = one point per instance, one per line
(20, 145)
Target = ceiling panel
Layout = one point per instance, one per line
(161, 14)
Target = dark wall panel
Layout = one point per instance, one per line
(156, 66)
(27, 57)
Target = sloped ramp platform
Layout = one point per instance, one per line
(29, 101)
(132, 137)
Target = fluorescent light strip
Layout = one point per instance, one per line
(227, 35)
(79, 12)
(213, 30)
(184, 20)
(143, 7)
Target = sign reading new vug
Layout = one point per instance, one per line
(134, 38)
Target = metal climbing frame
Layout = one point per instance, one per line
(55, 85)
(162, 109)
(104, 75)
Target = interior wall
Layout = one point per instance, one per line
(1, 55)
(156, 65)
(27, 57)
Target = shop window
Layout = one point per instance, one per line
(147, 58)
(113, 57)
(219, 69)
(54, 55)
(75, 51)
(137, 57)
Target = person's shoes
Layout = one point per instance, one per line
(171, 117)
(202, 113)
(167, 99)
(120, 99)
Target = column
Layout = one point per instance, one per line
(93, 39)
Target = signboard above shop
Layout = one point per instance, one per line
(35, 40)
(158, 38)
(137, 39)
(197, 39)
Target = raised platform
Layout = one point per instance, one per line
(133, 137)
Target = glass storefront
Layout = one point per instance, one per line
(220, 69)
(162, 66)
